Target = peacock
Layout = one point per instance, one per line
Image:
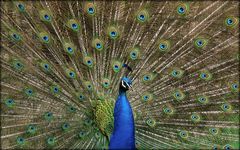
(120, 75)
(123, 136)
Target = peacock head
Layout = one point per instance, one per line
(126, 83)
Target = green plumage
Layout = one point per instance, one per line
(62, 61)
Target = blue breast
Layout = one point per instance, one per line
(123, 136)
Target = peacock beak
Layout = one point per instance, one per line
(130, 86)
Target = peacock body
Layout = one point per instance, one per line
(62, 63)
(123, 136)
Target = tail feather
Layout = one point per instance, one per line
(62, 61)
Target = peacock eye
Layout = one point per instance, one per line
(146, 78)
(213, 131)
(195, 118)
(17, 65)
(183, 134)
(203, 75)
(20, 6)
(227, 147)
(226, 107)
(45, 38)
(199, 43)
(80, 96)
(46, 17)
(151, 122)
(147, 97)
(72, 74)
(74, 26)
(65, 126)
(113, 33)
(46, 66)
(98, 45)
(91, 10)
(141, 17)
(229, 21)
(69, 49)
(81, 134)
(235, 86)
(167, 110)
(20, 140)
(15, 36)
(133, 55)
(9, 102)
(162, 46)
(175, 73)
(89, 62)
(55, 89)
(181, 10)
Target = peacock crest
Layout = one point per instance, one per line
(62, 63)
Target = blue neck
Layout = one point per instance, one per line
(122, 92)
(123, 136)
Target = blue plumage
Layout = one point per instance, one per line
(123, 136)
